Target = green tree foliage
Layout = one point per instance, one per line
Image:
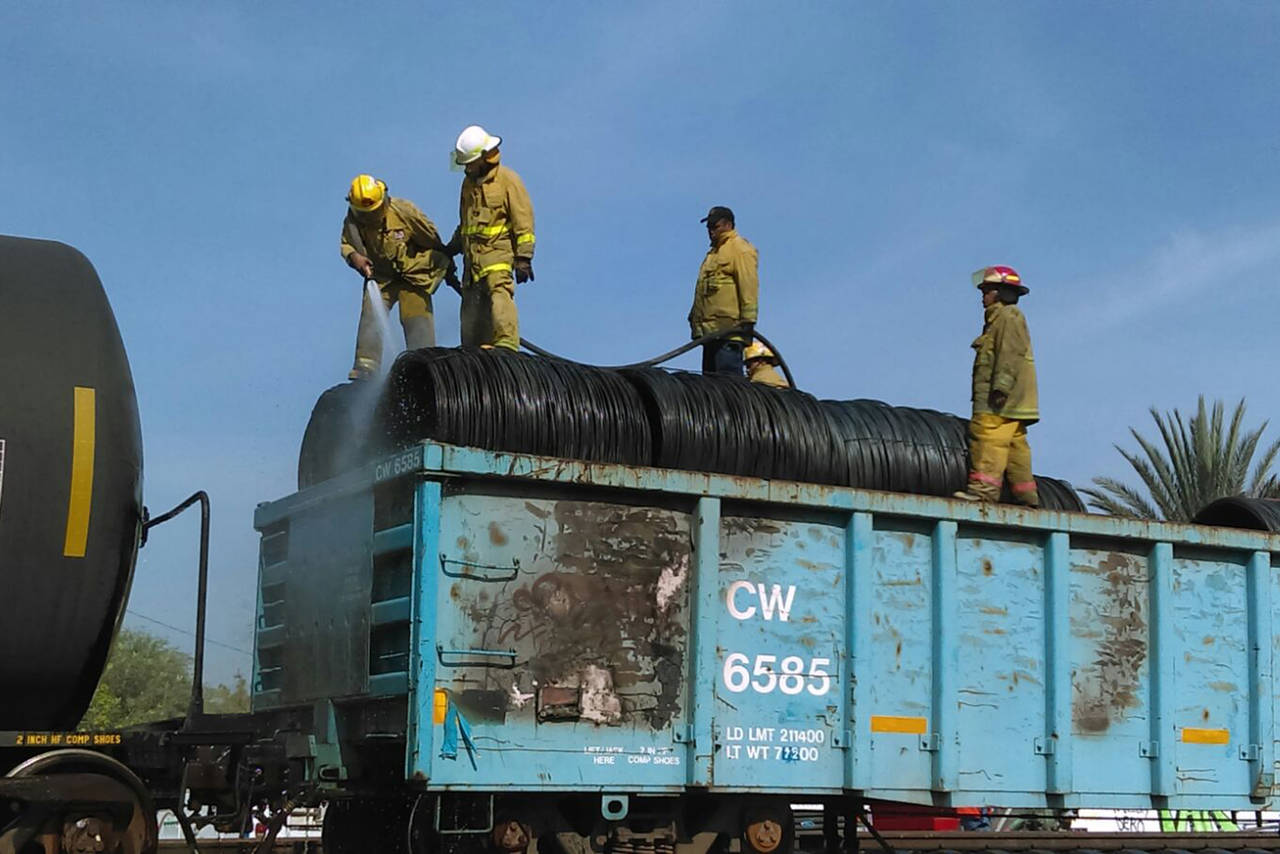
(148, 679)
(223, 699)
(1196, 461)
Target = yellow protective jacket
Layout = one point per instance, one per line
(728, 287)
(403, 245)
(1002, 361)
(495, 223)
(766, 374)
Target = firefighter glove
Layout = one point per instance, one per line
(524, 270)
(997, 399)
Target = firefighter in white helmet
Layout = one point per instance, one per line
(495, 237)
(760, 362)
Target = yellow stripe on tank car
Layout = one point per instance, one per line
(1194, 735)
(895, 723)
(83, 444)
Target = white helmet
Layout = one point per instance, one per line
(473, 142)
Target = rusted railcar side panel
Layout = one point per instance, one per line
(999, 655)
(1209, 627)
(564, 630)
(1110, 685)
(900, 665)
(780, 635)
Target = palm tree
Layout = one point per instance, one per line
(1202, 460)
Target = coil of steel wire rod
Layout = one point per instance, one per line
(513, 402)
(1056, 494)
(507, 401)
(1240, 511)
(335, 436)
(727, 425)
(922, 451)
(899, 449)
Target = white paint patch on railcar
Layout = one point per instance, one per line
(670, 580)
(599, 703)
(518, 697)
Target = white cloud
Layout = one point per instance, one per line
(1189, 264)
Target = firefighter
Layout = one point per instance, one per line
(390, 241)
(495, 237)
(1005, 402)
(760, 362)
(725, 295)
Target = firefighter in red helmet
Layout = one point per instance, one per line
(1005, 401)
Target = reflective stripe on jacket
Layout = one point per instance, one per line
(403, 245)
(1003, 361)
(728, 287)
(495, 219)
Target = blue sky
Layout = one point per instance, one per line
(1123, 156)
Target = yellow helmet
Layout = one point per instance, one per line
(757, 350)
(367, 193)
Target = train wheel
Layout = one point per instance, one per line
(768, 828)
(107, 829)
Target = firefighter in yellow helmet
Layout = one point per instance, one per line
(390, 241)
(495, 237)
(725, 295)
(1005, 401)
(760, 362)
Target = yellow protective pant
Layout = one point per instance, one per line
(998, 449)
(488, 312)
(417, 318)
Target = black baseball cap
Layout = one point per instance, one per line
(718, 213)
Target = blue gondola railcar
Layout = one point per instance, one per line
(500, 644)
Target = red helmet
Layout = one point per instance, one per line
(999, 276)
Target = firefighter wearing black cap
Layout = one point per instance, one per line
(726, 294)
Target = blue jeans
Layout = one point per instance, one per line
(722, 357)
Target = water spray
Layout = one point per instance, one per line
(389, 350)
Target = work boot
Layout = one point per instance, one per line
(967, 496)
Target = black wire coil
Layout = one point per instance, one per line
(336, 434)
(1241, 511)
(921, 451)
(506, 401)
(727, 425)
